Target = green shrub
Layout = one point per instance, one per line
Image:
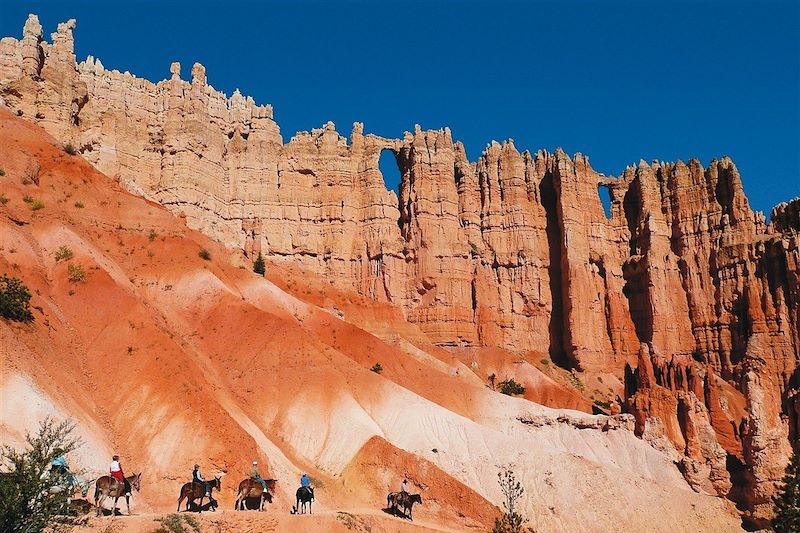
(63, 253)
(204, 254)
(3, 199)
(14, 300)
(259, 267)
(28, 199)
(511, 521)
(152, 235)
(511, 387)
(2, 172)
(377, 368)
(174, 523)
(79, 205)
(25, 502)
(37, 204)
(76, 273)
(70, 149)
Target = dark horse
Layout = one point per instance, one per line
(109, 487)
(194, 489)
(250, 488)
(395, 500)
(304, 495)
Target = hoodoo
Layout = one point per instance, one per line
(680, 308)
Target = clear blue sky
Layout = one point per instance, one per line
(618, 81)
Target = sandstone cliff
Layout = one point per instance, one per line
(684, 293)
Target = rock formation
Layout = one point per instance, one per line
(684, 289)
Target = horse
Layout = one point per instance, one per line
(73, 482)
(107, 486)
(194, 489)
(250, 488)
(304, 495)
(406, 500)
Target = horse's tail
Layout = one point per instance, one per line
(96, 493)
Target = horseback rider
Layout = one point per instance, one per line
(60, 469)
(197, 477)
(59, 464)
(305, 482)
(255, 475)
(116, 472)
(404, 487)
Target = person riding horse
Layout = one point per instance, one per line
(60, 469)
(116, 472)
(304, 495)
(255, 475)
(305, 483)
(197, 477)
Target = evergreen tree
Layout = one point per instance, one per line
(787, 501)
(259, 267)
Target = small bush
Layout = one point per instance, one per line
(79, 205)
(511, 521)
(31, 174)
(511, 387)
(76, 273)
(25, 501)
(63, 253)
(28, 199)
(204, 254)
(174, 523)
(70, 149)
(2, 172)
(37, 204)
(377, 368)
(152, 235)
(259, 267)
(3, 199)
(14, 300)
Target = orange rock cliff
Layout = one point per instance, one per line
(680, 308)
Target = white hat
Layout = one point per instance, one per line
(255, 462)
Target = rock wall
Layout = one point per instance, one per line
(683, 288)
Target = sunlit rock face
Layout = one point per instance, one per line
(683, 292)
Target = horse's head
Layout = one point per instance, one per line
(136, 481)
(416, 498)
(82, 484)
(216, 482)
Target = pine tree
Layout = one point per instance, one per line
(787, 501)
(511, 521)
(259, 267)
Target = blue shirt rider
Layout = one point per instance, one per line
(255, 475)
(305, 482)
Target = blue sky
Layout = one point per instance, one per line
(618, 81)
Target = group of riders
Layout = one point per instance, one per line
(59, 469)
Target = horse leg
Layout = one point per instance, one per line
(179, 503)
(128, 503)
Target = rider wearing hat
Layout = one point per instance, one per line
(197, 477)
(255, 475)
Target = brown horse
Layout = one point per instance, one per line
(109, 487)
(250, 488)
(404, 499)
(193, 490)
